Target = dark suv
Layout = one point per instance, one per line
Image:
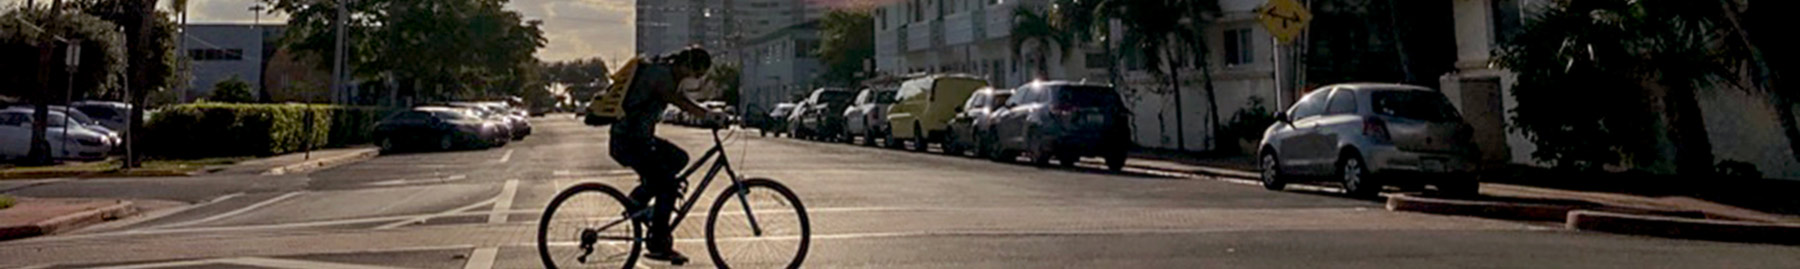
(1066, 120)
(821, 116)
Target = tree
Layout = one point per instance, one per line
(725, 77)
(151, 49)
(232, 90)
(1170, 33)
(582, 77)
(438, 50)
(33, 40)
(847, 40)
(1083, 22)
(1034, 28)
(1577, 59)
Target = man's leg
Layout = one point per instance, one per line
(664, 186)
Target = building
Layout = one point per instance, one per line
(964, 36)
(779, 65)
(666, 26)
(218, 52)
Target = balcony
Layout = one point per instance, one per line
(919, 35)
(959, 28)
(998, 22)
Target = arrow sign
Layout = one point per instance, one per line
(1284, 19)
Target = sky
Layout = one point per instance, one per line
(575, 29)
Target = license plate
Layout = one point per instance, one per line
(1432, 166)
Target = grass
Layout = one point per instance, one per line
(6, 201)
(110, 167)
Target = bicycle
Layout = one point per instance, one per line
(616, 222)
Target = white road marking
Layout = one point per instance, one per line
(482, 258)
(506, 157)
(252, 262)
(157, 214)
(456, 177)
(504, 202)
(409, 219)
(239, 211)
(422, 218)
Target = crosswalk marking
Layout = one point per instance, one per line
(504, 202)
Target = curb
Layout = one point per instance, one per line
(1485, 209)
(69, 222)
(1208, 171)
(1687, 228)
(327, 162)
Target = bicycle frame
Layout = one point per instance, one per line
(720, 163)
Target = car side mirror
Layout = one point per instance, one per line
(1282, 117)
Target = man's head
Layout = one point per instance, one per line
(691, 62)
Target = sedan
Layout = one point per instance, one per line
(67, 141)
(972, 122)
(440, 128)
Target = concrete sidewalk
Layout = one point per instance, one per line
(41, 216)
(298, 162)
(1497, 189)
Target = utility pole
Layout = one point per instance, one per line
(337, 60)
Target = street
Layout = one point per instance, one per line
(870, 207)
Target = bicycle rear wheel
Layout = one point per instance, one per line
(766, 227)
(586, 226)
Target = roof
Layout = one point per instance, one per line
(1066, 83)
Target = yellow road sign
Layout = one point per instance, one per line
(1284, 19)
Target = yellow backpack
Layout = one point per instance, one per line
(608, 106)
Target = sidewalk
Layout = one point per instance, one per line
(1632, 196)
(41, 216)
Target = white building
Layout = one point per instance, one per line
(964, 36)
(218, 52)
(667, 25)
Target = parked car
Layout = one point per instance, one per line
(1368, 135)
(972, 122)
(76, 116)
(821, 116)
(867, 116)
(777, 120)
(440, 128)
(924, 106)
(67, 141)
(108, 113)
(1065, 120)
(515, 123)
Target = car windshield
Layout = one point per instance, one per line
(101, 112)
(1087, 96)
(1413, 104)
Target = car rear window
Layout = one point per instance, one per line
(1413, 104)
(1086, 96)
(836, 97)
(884, 97)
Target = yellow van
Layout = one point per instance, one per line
(924, 106)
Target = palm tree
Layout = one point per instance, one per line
(1032, 27)
(1085, 24)
(1169, 32)
(1668, 48)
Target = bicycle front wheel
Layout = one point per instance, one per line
(759, 224)
(586, 226)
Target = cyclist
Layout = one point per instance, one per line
(658, 84)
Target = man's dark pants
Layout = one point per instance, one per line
(656, 162)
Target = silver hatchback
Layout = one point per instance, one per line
(1369, 135)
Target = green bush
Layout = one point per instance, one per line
(1247, 124)
(216, 129)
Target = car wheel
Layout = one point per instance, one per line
(983, 148)
(446, 142)
(1271, 173)
(1039, 156)
(1355, 177)
(387, 144)
(950, 143)
(868, 136)
(919, 139)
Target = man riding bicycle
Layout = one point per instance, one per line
(658, 84)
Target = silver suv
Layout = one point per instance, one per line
(1367, 136)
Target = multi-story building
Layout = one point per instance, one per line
(667, 25)
(963, 36)
(779, 65)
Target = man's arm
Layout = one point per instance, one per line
(673, 95)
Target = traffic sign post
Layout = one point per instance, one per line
(1284, 19)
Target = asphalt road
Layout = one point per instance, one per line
(869, 207)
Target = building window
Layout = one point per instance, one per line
(216, 54)
(1238, 50)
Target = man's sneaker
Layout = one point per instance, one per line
(671, 256)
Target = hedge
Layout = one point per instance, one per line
(221, 129)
